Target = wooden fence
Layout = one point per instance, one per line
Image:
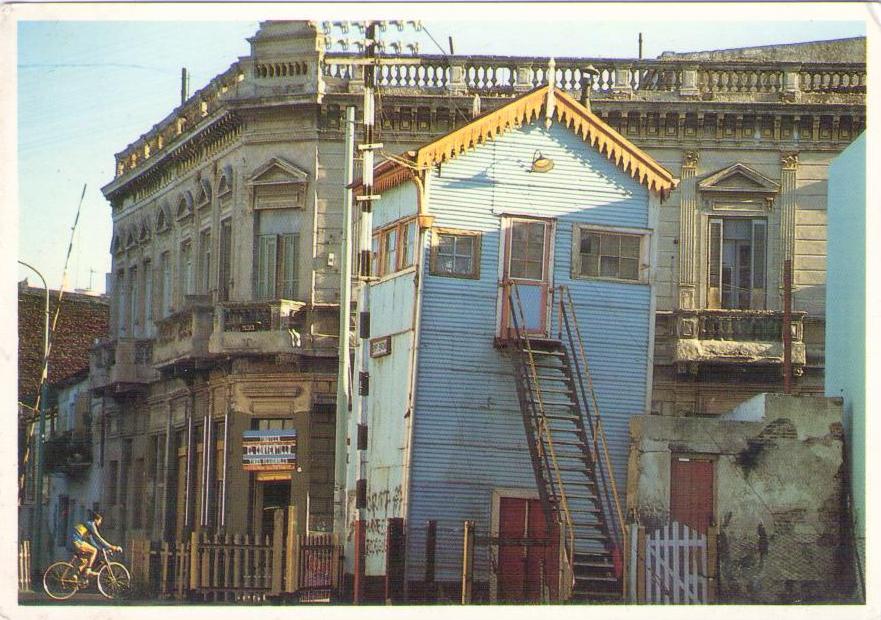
(24, 566)
(219, 566)
(674, 564)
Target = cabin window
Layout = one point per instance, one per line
(736, 270)
(610, 254)
(455, 253)
(394, 248)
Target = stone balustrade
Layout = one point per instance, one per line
(487, 75)
(736, 336)
(123, 365)
(605, 78)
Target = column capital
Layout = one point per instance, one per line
(690, 159)
(789, 160)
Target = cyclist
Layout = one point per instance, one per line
(85, 537)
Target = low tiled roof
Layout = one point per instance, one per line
(82, 319)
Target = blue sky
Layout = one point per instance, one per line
(86, 89)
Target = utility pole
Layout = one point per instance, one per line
(37, 515)
(343, 389)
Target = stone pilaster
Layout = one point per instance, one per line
(788, 178)
(687, 236)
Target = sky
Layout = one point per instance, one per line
(85, 89)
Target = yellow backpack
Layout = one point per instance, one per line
(81, 529)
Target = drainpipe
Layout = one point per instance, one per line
(37, 515)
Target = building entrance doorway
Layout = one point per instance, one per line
(526, 264)
(271, 495)
(528, 553)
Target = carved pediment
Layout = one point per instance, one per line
(279, 184)
(278, 171)
(738, 179)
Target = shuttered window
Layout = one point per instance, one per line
(165, 293)
(277, 269)
(737, 263)
(225, 275)
(205, 261)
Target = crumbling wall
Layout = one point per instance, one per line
(779, 495)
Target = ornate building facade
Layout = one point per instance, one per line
(227, 229)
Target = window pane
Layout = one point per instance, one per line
(629, 269)
(408, 241)
(534, 270)
(375, 267)
(588, 243)
(445, 264)
(609, 245)
(391, 252)
(630, 246)
(463, 265)
(609, 266)
(289, 279)
(445, 244)
(464, 246)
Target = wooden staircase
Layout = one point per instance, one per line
(575, 484)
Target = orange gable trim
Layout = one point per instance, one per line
(581, 121)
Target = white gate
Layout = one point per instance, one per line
(676, 566)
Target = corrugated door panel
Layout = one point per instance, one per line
(691, 492)
(513, 557)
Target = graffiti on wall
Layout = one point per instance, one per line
(381, 505)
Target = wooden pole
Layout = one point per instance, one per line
(712, 564)
(467, 562)
(292, 553)
(360, 545)
(277, 550)
(640, 565)
(430, 547)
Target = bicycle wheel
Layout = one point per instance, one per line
(114, 580)
(61, 580)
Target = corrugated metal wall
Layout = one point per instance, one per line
(468, 433)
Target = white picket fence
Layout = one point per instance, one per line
(676, 567)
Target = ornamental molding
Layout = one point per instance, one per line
(789, 161)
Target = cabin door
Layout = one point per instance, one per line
(526, 275)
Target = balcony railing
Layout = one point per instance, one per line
(123, 365)
(742, 336)
(183, 336)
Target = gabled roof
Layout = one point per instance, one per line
(521, 111)
(738, 178)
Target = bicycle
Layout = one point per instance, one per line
(63, 579)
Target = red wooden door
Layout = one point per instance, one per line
(691, 492)
(527, 552)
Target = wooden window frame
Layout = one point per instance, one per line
(436, 233)
(644, 267)
(275, 273)
(759, 260)
(379, 241)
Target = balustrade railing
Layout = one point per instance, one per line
(503, 74)
(740, 325)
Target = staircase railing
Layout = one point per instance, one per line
(544, 443)
(569, 331)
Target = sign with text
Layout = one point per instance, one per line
(380, 347)
(269, 450)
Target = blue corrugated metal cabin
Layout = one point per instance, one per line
(540, 191)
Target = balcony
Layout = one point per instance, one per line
(751, 337)
(276, 327)
(69, 452)
(123, 365)
(182, 338)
